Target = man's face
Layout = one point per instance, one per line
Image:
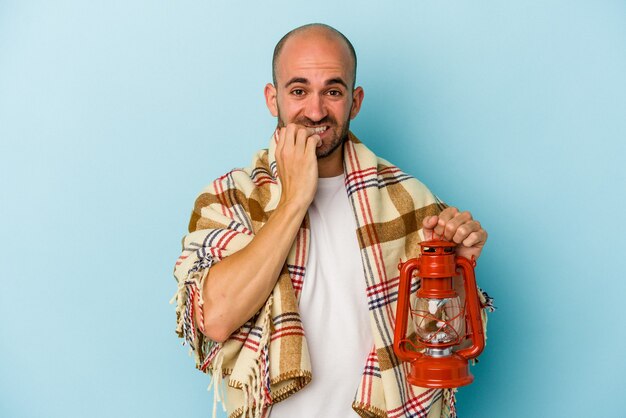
(314, 88)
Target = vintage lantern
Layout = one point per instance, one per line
(437, 358)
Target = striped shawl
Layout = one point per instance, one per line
(267, 359)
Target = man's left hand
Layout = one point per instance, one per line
(458, 227)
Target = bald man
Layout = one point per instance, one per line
(314, 98)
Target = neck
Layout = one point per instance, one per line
(331, 165)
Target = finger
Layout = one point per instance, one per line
(448, 228)
(448, 213)
(428, 225)
(443, 218)
(290, 135)
(318, 140)
(301, 140)
(276, 132)
(312, 143)
(476, 239)
(430, 222)
(281, 139)
(280, 146)
(464, 230)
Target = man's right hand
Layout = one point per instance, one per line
(297, 164)
(238, 286)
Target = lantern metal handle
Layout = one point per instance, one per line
(474, 318)
(402, 311)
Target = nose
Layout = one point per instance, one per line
(315, 109)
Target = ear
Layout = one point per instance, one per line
(270, 99)
(357, 99)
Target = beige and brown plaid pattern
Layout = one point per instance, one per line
(267, 360)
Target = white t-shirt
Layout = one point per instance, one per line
(333, 308)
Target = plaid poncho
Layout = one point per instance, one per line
(267, 359)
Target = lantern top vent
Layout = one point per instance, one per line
(437, 247)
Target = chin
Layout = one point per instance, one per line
(327, 150)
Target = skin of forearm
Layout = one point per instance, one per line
(236, 287)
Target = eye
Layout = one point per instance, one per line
(297, 92)
(335, 93)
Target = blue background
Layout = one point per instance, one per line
(115, 114)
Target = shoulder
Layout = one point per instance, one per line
(243, 178)
(235, 192)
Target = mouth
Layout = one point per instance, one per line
(320, 130)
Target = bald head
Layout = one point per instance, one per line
(314, 30)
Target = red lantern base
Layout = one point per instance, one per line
(440, 372)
